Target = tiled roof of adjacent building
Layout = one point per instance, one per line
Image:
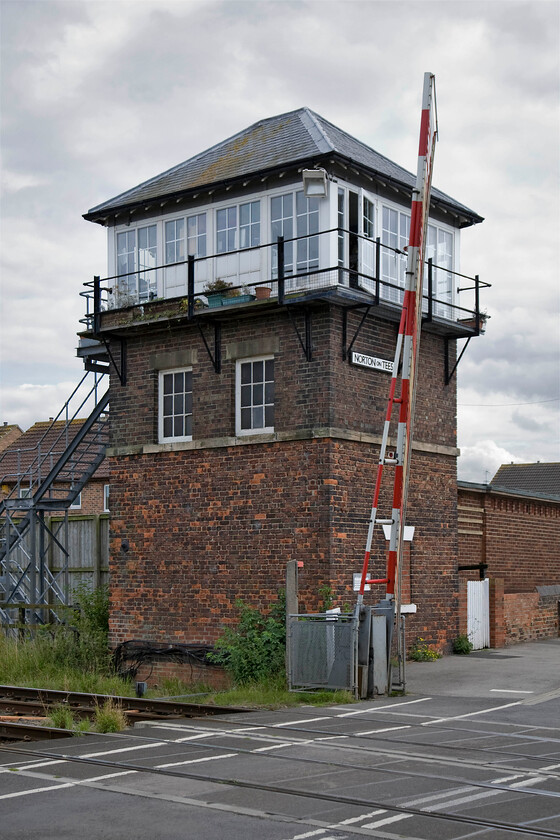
(540, 478)
(8, 434)
(50, 437)
(287, 139)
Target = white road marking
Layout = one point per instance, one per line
(484, 794)
(471, 714)
(382, 708)
(125, 749)
(387, 820)
(196, 761)
(36, 790)
(292, 722)
(358, 819)
(387, 729)
(551, 767)
(511, 691)
(442, 794)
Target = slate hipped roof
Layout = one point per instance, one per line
(298, 137)
(529, 478)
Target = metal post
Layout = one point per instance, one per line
(477, 302)
(280, 247)
(377, 268)
(430, 290)
(190, 286)
(96, 303)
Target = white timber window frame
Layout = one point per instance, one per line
(77, 503)
(238, 226)
(106, 498)
(254, 396)
(136, 251)
(175, 408)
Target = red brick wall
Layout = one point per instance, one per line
(529, 616)
(205, 526)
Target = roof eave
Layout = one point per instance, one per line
(463, 215)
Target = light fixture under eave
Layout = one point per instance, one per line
(315, 183)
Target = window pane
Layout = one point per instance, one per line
(178, 382)
(288, 205)
(258, 371)
(178, 426)
(269, 416)
(178, 404)
(257, 394)
(222, 242)
(255, 235)
(258, 417)
(167, 426)
(167, 383)
(188, 380)
(269, 393)
(188, 403)
(245, 418)
(245, 373)
(201, 223)
(221, 219)
(168, 405)
(276, 208)
(245, 395)
(244, 214)
(188, 426)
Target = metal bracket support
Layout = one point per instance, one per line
(448, 373)
(347, 350)
(306, 345)
(119, 368)
(216, 357)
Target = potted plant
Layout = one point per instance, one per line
(262, 292)
(473, 323)
(216, 291)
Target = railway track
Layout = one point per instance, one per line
(22, 708)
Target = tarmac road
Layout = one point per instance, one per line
(472, 750)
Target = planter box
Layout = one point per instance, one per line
(226, 300)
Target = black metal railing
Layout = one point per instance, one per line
(290, 279)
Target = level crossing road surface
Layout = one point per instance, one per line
(471, 751)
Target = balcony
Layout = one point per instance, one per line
(286, 272)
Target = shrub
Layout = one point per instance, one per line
(421, 652)
(255, 649)
(462, 644)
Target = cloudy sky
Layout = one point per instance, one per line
(97, 97)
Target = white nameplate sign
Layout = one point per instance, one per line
(372, 362)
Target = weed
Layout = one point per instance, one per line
(421, 652)
(61, 717)
(326, 594)
(462, 644)
(110, 717)
(255, 650)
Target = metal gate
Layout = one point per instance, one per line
(323, 651)
(478, 613)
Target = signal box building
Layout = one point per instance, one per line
(250, 318)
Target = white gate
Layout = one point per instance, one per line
(478, 613)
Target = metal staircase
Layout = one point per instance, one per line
(47, 479)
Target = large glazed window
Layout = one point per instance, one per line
(175, 405)
(136, 254)
(238, 227)
(289, 211)
(395, 233)
(254, 395)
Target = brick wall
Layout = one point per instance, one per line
(529, 616)
(197, 525)
(519, 539)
